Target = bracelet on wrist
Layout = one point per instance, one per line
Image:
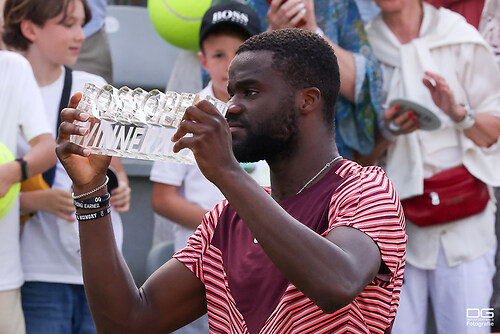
(93, 215)
(385, 131)
(91, 191)
(24, 169)
(96, 202)
(469, 119)
(319, 32)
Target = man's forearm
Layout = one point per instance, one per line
(168, 300)
(109, 285)
(316, 266)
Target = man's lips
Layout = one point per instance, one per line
(233, 126)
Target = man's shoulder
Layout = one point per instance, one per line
(350, 168)
(360, 181)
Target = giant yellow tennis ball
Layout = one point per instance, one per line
(8, 200)
(178, 21)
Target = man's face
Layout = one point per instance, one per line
(262, 115)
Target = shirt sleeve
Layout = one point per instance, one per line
(168, 173)
(368, 202)
(198, 244)
(33, 121)
(479, 78)
(356, 123)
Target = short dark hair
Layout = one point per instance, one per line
(304, 59)
(36, 11)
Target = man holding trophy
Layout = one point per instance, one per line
(310, 254)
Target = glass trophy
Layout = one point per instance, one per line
(135, 123)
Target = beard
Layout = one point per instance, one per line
(270, 139)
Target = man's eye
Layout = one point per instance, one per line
(250, 92)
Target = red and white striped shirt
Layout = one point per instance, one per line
(246, 293)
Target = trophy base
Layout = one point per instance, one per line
(131, 141)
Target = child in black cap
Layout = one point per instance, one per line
(224, 27)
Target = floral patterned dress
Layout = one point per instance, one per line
(355, 123)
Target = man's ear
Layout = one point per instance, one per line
(203, 59)
(309, 100)
(29, 30)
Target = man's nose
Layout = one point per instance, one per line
(233, 107)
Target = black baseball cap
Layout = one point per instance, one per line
(236, 14)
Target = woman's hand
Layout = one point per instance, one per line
(290, 13)
(443, 96)
(401, 124)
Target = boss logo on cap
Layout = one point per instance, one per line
(230, 15)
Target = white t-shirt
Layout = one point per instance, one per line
(50, 247)
(21, 107)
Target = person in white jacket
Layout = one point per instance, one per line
(435, 58)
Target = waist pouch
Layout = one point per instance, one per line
(449, 195)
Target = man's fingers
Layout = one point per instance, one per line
(67, 129)
(75, 99)
(194, 117)
(204, 106)
(184, 142)
(71, 115)
(68, 148)
(185, 127)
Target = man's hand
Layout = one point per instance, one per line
(87, 171)
(210, 141)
